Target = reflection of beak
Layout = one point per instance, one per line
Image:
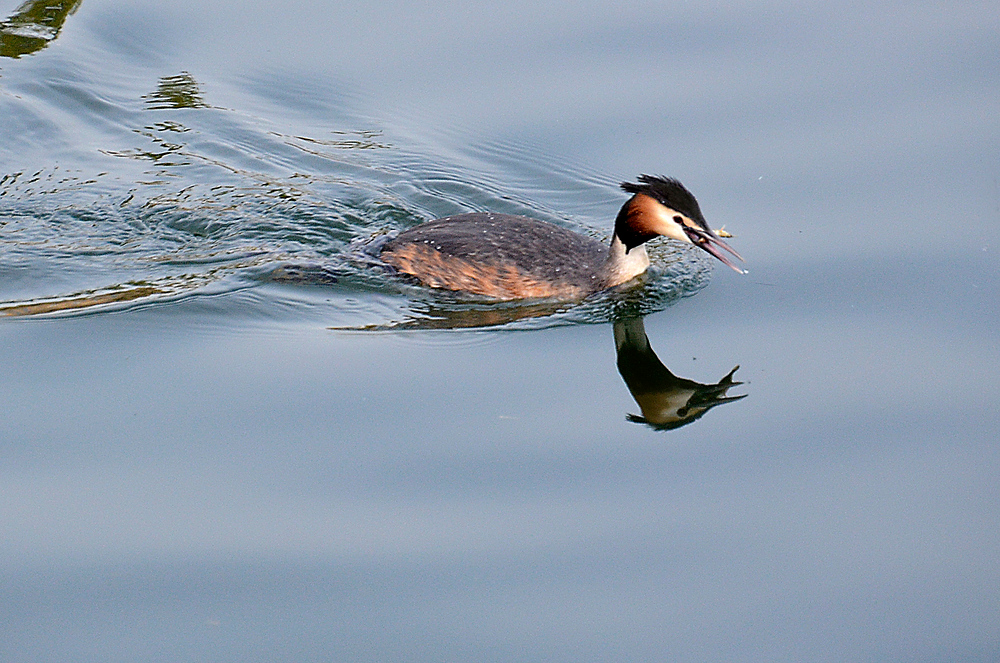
(715, 394)
(707, 240)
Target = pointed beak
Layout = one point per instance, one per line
(707, 240)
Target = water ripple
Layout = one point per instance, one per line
(181, 198)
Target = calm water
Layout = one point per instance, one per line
(226, 438)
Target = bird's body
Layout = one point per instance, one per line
(515, 257)
(501, 256)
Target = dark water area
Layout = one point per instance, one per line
(228, 437)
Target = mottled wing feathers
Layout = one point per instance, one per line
(499, 255)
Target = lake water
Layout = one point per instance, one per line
(225, 438)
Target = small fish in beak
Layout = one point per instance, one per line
(707, 240)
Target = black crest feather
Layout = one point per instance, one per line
(670, 192)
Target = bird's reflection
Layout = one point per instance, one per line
(33, 25)
(666, 401)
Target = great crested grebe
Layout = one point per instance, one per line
(515, 257)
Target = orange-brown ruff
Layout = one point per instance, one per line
(515, 257)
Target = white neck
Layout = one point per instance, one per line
(621, 266)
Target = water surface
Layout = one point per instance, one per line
(200, 463)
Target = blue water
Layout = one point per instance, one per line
(226, 439)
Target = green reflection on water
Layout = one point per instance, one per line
(180, 91)
(33, 25)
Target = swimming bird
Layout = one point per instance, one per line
(511, 257)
